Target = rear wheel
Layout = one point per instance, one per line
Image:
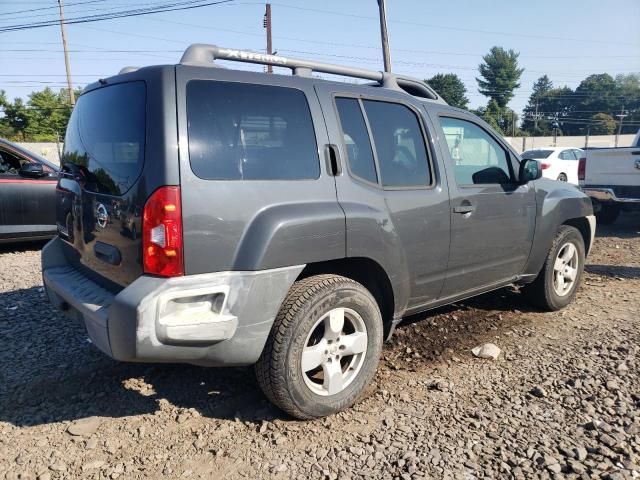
(323, 349)
(562, 177)
(607, 214)
(557, 283)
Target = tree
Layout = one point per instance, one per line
(450, 87)
(47, 115)
(603, 124)
(537, 104)
(499, 75)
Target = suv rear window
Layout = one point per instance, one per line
(240, 131)
(105, 137)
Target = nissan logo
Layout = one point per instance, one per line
(101, 215)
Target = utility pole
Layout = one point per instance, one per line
(386, 55)
(621, 116)
(535, 119)
(267, 24)
(72, 96)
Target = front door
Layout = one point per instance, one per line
(391, 190)
(492, 216)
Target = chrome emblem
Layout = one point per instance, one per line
(638, 164)
(102, 215)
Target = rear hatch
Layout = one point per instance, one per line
(107, 175)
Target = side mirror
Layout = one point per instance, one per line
(32, 170)
(530, 170)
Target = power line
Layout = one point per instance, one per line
(172, 7)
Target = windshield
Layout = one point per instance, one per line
(536, 154)
(105, 137)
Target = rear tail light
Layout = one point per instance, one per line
(545, 165)
(582, 167)
(162, 233)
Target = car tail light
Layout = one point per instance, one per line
(545, 165)
(582, 167)
(162, 233)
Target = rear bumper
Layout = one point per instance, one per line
(607, 195)
(211, 319)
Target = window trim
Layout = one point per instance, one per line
(424, 132)
(288, 87)
(507, 153)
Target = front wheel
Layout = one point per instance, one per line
(557, 283)
(323, 349)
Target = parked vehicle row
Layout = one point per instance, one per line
(558, 163)
(27, 194)
(297, 223)
(611, 177)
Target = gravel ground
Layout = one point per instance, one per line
(562, 400)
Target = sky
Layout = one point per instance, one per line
(566, 39)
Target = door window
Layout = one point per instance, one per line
(567, 155)
(9, 163)
(477, 157)
(356, 139)
(399, 143)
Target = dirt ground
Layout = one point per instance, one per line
(562, 400)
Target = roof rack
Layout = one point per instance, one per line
(200, 54)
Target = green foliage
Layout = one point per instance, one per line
(451, 88)
(499, 75)
(590, 108)
(42, 119)
(603, 124)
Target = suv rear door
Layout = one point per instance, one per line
(492, 216)
(120, 146)
(391, 189)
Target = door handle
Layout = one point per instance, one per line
(635, 153)
(464, 209)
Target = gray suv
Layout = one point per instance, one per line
(223, 217)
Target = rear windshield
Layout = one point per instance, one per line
(105, 137)
(536, 154)
(240, 131)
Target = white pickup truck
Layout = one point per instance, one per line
(611, 177)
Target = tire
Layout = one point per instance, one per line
(304, 321)
(562, 177)
(607, 214)
(546, 291)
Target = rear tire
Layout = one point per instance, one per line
(562, 177)
(558, 281)
(607, 214)
(323, 349)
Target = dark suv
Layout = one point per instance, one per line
(222, 217)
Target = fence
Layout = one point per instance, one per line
(602, 141)
(46, 150)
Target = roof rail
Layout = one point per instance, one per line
(200, 54)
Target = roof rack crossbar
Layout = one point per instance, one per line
(203, 54)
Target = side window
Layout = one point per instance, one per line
(566, 155)
(356, 139)
(241, 131)
(479, 159)
(578, 154)
(400, 145)
(9, 163)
